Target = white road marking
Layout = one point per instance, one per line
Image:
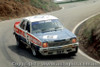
(74, 30)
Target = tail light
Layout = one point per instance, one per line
(45, 45)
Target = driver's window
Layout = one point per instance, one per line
(22, 25)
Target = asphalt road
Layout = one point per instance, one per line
(70, 16)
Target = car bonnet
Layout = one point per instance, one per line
(54, 35)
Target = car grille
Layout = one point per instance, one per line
(59, 43)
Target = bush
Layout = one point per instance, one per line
(46, 5)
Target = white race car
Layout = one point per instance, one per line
(45, 35)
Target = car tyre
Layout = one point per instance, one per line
(35, 52)
(19, 43)
(74, 53)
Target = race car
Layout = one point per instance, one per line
(45, 35)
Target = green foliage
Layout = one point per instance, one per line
(45, 5)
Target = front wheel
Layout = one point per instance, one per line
(74, 53)
(35, 52)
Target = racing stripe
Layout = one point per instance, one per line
(34, 39)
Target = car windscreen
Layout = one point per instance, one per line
(46, 26)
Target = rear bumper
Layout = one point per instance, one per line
(65, 49)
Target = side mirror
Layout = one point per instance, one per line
(26, 31)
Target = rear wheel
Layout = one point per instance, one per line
(19, 43)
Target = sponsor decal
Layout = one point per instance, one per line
(19, 31)
(34, 40)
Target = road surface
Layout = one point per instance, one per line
(70, 15)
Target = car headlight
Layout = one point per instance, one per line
(74, 40)
(45, 45)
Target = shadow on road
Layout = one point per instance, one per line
(28, 54)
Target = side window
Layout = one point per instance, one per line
(28, 26)
(22, 25)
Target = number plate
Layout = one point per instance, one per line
(67, 46)
(60, 51)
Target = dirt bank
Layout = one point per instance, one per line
(89, 37)
(19, 8)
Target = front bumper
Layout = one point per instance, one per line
(65, 49)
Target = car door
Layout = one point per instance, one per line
(22, 30)
(27, 32)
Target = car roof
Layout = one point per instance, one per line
(40, 18)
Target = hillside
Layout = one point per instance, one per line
(89, 37)
(20, 8)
